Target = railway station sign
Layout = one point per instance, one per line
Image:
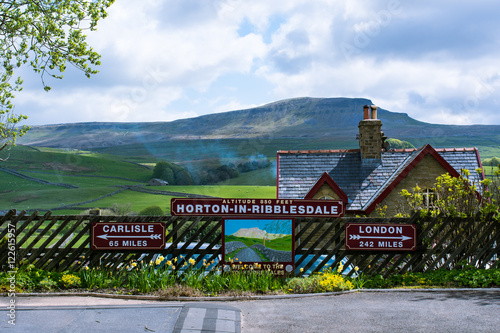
(380, 237)
(128, 236)
(256, 207)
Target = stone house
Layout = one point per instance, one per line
(372, 175)
(157, 182)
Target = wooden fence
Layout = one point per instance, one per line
(62, 243)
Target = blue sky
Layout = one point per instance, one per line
(438, 61)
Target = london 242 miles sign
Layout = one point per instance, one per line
(380, 237)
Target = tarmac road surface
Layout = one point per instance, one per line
(462, 310)
(388, 311)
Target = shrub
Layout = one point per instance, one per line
(306, 285)
(152, 211)
(70, 281)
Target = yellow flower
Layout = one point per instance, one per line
(356, 268)
(158, 261)
(192, 261)
(301, 269)
(134, 264)
(161, 258)
(86, 267)
(169, 263)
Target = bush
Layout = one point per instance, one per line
(399, 144)
(494, 161)
(306, 285)
(152, 211)
(173, 174)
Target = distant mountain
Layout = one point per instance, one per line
(319, 118)
(256, 233)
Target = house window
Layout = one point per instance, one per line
(430, 198)
(325, 197)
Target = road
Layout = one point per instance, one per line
(433, 311)
(454, 311)
(248, 255)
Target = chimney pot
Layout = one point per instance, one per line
(366, 112)
(374, 111)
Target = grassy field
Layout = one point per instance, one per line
(98, 175)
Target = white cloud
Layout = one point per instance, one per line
(164, 60)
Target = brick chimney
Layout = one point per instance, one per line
(370, 136)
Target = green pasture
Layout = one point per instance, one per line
(62, 162)
(47, 197)
(43, 239)
(137, 201)
(223, 191)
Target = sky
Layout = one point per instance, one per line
(162, 60)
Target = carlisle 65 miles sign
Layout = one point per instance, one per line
(128, 236)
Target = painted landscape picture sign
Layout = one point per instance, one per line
(128, 236)
(380, 237)
(256, 207)
(258, 244)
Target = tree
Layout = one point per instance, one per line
(45, 35)
(163, 170)
(399, 144)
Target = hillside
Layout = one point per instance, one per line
(288, 124)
